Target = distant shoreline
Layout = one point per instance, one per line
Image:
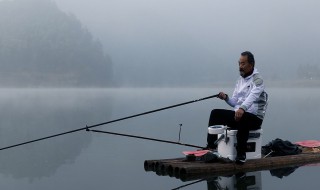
(268, 84)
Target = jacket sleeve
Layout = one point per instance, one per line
(231, 101)
(257, 89)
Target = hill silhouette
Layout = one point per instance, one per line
(41, 46)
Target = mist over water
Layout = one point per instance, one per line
(108, 161)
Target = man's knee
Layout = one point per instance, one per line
(213, 112)
(222, 114)
(217, 112)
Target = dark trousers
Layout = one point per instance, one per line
(226, 117)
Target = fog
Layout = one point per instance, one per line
(198, 43)
(143, 43)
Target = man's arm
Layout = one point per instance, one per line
(225, 97)
(232, 101)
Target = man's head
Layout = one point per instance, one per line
(246, 64)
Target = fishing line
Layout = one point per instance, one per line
(145, 138)
(180, 125)
(108, 122)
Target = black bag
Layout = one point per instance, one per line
(279, 147)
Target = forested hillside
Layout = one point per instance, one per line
(41, 46)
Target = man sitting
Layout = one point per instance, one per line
(249, 101)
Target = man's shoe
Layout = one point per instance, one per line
(241, 159)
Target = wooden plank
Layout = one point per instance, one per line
(185, 171)
(251, 165)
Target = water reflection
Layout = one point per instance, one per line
(240, 181)
(283, 172)
(32, 114)
(69, 161)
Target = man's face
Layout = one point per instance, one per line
(244, 66)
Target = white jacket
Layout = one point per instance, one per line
(249, 94)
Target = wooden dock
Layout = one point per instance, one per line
(193, 170)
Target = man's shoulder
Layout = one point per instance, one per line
(257, 79)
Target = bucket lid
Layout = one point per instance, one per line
(216, 129)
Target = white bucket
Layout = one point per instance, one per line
(227, 147)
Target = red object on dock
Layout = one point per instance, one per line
(309, 143)
(196, 153)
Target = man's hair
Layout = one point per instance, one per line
(250, 57)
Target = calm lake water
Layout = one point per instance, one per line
(87, 160)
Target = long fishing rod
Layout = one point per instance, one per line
(108, 122)
(145, 138)
(156, 110)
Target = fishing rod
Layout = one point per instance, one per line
(156, 110)
(108, 122)
(145, 138)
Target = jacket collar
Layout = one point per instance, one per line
(254, 72)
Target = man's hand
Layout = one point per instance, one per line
(238, 114)
(222, 96)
